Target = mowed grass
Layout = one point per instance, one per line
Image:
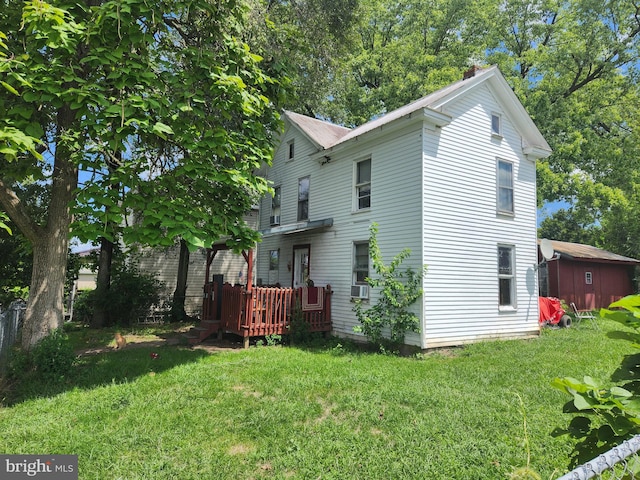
(332, 412)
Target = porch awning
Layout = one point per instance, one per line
(297, 227)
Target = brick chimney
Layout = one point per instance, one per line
(471, 72)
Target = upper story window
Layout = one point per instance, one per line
(505, 187)
(506, 276)
(303, 199)
(290, 150)
(275, 207)
(363, 184)
(588, 278)
(496, 124)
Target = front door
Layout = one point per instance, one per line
(301, 255)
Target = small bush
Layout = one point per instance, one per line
(53, 355)
(51, 358)
(131, 295)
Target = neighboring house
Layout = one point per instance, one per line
(450, 176)
(590, 277)
(163, 263)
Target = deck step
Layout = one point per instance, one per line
(203, 330)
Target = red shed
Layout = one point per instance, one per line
(590, 277)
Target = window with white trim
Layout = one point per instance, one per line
(588, 278)
(275, 207)
(496, 124)
(303, 198)
(506, 276)
(363, 185)
(274, 260)
(505, 187)
(290, 149)
(359, 285)
(360, 263)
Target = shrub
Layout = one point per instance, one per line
(53, 356)
(400, 290)
(131, 295)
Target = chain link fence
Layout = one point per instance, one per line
(619, 463)
(10, 323)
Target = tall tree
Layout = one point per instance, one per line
(103, 78)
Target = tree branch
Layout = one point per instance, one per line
(17, 212)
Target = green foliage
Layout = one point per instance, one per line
(273, 339)
(131, 295)
(161, 105)
(399, 290)
(51, 359)
(615, 409)
(300, 331)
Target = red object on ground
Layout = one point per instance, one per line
(551, 310)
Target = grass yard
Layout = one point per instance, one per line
(332, 412)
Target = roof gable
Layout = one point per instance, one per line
(322, 134)
(326, 135)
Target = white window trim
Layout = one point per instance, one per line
(308, 177)
(279, 207)
(355, 203)
(514, 297)
(500, 211)
(354, 264)
(588, 278)
(497, 115)
(291, 145)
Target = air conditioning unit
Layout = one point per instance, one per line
(274, 220)
(360, 291)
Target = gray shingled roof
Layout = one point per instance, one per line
(587, 252)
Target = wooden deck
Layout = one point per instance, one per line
(261, 311)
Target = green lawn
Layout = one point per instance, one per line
(331, 412)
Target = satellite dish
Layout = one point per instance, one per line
(546, 249)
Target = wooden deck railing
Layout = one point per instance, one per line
(264, 310)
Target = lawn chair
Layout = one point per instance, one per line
(584, 314)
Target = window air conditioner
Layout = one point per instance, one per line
(274, 220)
(360, 291)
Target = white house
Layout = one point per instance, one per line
(451, 176)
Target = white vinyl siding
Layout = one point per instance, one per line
(452, 227)
(461, 288)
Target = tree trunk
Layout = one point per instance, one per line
(179, 296)
(103, 283)
(45, 308)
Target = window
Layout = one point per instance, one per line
(496, 124)
(275, 207)
(363, 184)
(588, 278)
(303, 199)
(506, 276)
(291, 150)
(505, 187)
(274, 260)
(359, 286)
(360, 263)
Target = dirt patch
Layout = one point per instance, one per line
(239, 449)
(169, 339)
